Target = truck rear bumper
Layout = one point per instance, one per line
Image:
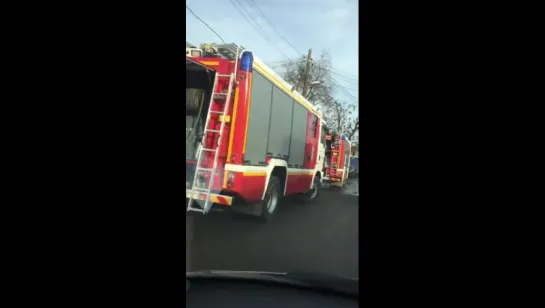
(331, 179)
(215, 198)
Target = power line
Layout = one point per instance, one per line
(350, 89)
(338, 73)
(256, 27)
(253, 22)
(280, 62)
(344, 77)
(345, 91)
(334, 75)
(347, 76)
(190, 10)
(272, 25)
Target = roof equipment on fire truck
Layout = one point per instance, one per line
(227, 51)
(193, 52)
(230, 51)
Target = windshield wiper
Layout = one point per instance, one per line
(307, 280)
(318, 280)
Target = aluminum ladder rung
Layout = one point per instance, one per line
(199, 189)
(210, 181)
(195, 209)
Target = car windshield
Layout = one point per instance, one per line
(272, 136)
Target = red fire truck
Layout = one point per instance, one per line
(337, 164)
(250, 137)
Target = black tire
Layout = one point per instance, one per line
(269, 204)
(314, 192)
(193, 99)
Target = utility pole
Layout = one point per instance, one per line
(306, 76)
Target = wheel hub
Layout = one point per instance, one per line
(273, 200)
(314, 191)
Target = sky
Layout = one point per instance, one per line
(290, 29)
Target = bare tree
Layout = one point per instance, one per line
(338, 115)
(321, 87)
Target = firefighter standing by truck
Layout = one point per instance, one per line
(249, 137)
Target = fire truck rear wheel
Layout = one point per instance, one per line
(314, 192)
(272, 196)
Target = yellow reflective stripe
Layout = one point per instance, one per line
(213, 197)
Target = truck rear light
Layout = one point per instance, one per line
(230, 179)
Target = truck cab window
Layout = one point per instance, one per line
(322, 137)
(314, 126)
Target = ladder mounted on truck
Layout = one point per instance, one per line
(225, 98)
(335, 154)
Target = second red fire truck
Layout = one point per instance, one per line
(250, 138)
(337, 164)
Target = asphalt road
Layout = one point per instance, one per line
(319, 237)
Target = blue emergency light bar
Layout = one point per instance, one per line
(246, 61)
